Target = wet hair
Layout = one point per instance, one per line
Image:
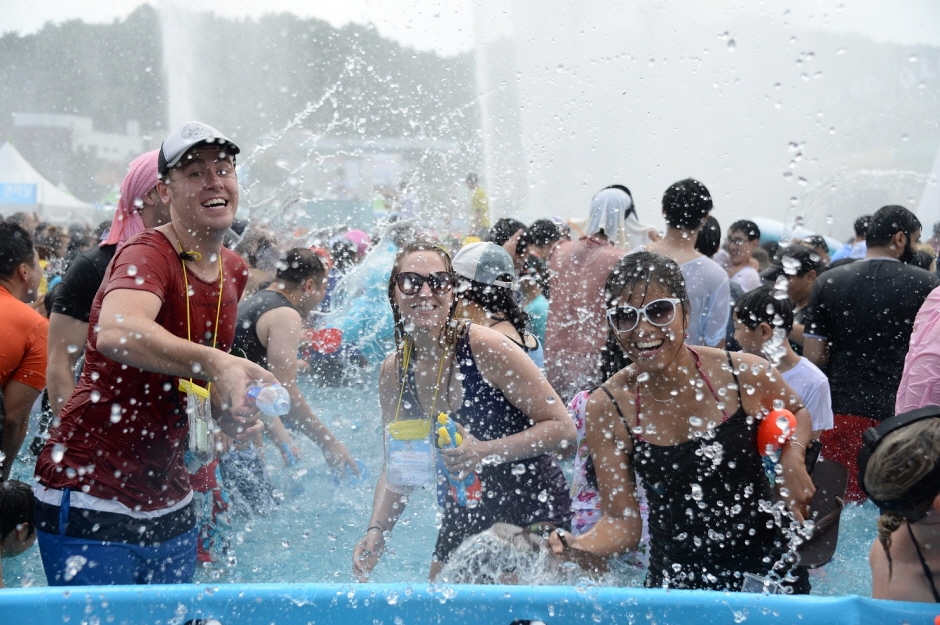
(21, 218)
(498, 302)
(686, 203)
(17, 505)
(922, 258)
(899, 461)
(762, 257)
(708, 241)
(541, 232)
(503, 230)
(259, 247)
(16, 248)
(636, 272)
(887, 222)
(748, 227)
(808, 259)
(536, 270)
(861, 225)
(761, 305)
(418, 245)
(772, 248)
(344, 253)
(816, 241)
(299, 264)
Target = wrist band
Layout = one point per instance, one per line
(798, 444)
(374, 527)
(561, 537)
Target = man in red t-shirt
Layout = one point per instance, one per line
(114, 500)
(23, 348)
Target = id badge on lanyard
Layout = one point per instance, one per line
(201, 425)
(409, 455)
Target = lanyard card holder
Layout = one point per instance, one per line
(409, 455)
(201, 426)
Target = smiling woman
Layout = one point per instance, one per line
(670, 417)
(507, 417)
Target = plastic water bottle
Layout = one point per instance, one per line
(272, 400)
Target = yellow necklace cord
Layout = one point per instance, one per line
(405, 359)
(218, 308)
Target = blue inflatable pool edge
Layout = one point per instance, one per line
(417, 604)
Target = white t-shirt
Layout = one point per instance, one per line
(812, 386)
(748, 278)
(710, 300)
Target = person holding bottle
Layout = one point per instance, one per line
(114, 499)
(509, 418)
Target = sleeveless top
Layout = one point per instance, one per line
(520, 492)
(705, 520)
(246, 330)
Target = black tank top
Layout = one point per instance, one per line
(705, 522)
(246, 330)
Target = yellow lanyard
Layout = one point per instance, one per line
(218, 311)
(405, 358)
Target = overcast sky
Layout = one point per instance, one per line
(446, 26)
(422, 24)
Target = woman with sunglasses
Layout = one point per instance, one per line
(685, 420)
(508, 416)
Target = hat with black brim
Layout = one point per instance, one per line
(187, 137)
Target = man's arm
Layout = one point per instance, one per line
(128, 334)
(19, 400)
(66, 341)
(816, 348)
(280, 331)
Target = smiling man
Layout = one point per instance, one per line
(114, 500)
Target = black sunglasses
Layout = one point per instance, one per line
(409, 282)
(659, 312)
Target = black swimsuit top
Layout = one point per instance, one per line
(705, 519)
(927, 572)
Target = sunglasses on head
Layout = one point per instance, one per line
(659, 312)
(409, 282)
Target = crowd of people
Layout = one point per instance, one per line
(653, 358)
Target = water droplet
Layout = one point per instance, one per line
(841, 51)
(138, 280)
(697, 492)
(196, 367)
(392, 598)
(285, 543)
(643, 377)
(58, 452)
(132, 270)
(115, 413)
(912, 58)
(695, 421)
(72, 349)
(732, 44)
(73, 565)
(550, 399)
(95, 396)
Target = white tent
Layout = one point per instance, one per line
(22, 188)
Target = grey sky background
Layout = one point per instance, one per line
(446, 26)
(813, 110)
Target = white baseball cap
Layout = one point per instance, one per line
(486, 263)
(188, 136)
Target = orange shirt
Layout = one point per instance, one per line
(23, 345)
